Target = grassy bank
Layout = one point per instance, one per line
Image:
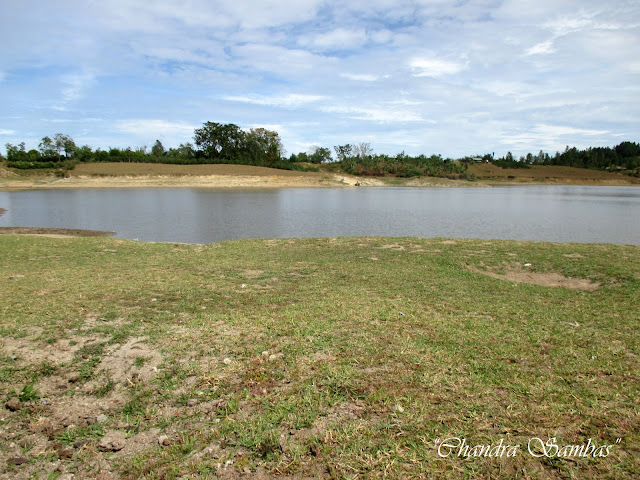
(549, 174)
(328, 358)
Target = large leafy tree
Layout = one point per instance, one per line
(263, 146)
(219, 141)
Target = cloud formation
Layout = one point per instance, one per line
(423, 76)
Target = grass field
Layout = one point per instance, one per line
(548, 174)
(318, 358)
(136, 169)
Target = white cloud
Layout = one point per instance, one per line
(381, 114)
(4, 131)
(633, 67)
(360, 77)
(434, 67)
(76, 85)
(544, 48)
(291, 100)
(338, 39)
(551, 138)
(154, 128)
(275, 58)
(560, 130)
(569, 24)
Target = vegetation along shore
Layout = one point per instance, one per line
(318, 358)
(222, 151)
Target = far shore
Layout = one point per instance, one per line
(136, 175)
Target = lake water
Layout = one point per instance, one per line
(192, 215)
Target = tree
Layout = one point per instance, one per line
(47, 147)
(158, 149)
(185, 151)
(319, 155)
(343, 151)
(628, 149)
(64, 143)
(363, 150)
(216, 140)
(12, 152)
(264, 145)
(83, 154)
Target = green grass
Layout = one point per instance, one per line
(339, 358)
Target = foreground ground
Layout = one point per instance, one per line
(99, 175)
(317, 358)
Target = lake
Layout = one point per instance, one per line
(583, 214)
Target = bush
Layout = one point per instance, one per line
(24, 165)
(410, 171)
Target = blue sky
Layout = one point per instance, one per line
(430, 76)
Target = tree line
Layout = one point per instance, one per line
(625, 156)
(228, 143)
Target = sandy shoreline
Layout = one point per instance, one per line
(221, 181)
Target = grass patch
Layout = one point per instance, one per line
(335, 358)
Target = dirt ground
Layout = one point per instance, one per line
(65, 232)
(68, 403)
(522, 273)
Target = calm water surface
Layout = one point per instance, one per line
(548, 213)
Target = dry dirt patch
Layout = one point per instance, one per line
(132, 362)
(54, 232)
(522, 274)
(393, 246)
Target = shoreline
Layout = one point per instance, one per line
(224, 176)
(279, 181)
(55, 232)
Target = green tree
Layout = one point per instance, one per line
(319, 155)
(219, 141)
(158, 149)
(263, 146)
(64, 143)
(83, 154)
(628, 149)
(47, 147)
(343, 151)
(13, 151)
(185, 152)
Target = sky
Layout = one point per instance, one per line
(442, 77)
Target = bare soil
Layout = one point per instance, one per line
(66, 232)
(68, 403)
(520, 273)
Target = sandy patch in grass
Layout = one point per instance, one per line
(393, 246)
(131, 363)
(521, 274)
